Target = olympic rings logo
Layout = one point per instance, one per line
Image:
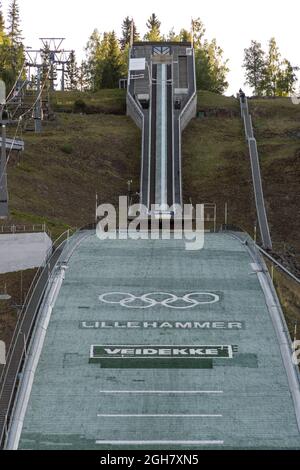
(168, 300)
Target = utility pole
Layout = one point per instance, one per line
(38, 105)
(3, 181)
(3, 164)
(63, 76)
(52, 70)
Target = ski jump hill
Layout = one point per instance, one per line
(142, 344)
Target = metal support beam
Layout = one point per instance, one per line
(3, 177)
(38, 105)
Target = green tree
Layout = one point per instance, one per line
(83, 77)
(153, 25)
(104, 64)
(267, 73)
(185, 35)
(102, 56)
(72, 72)
(14, 24)
(286, 79)
(172, 36)
(2, 24)
(198, 32)
(124, 60)
(126, 32)
(272, 69)
(11, 47)
(6, 73)
(49, 69)
(93, 53)
(254, 64)
(211, 69)
(112, 64)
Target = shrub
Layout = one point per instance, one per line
(67, 148)
(79, 106)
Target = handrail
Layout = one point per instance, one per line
(29, 297)
(182, 116)
(135, 112)
(135, 106)
(256, 174)
(235, 228)
(27, 300)
(18, 330)
(267, 255)
(193, 96)
(31, 354)
(23, 228)
(279, 323)
(30, 331)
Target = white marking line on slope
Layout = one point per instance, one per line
(157, 416)
(163, 392)
(140, 443)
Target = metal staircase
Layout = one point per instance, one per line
(256, 175)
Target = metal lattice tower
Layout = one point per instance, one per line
(44, 62)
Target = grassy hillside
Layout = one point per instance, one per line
(216, 165)
(103, 101)
(92, 146)
(61, 170)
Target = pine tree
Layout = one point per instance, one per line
(105, 62)
(102, 59)
(112, 66)
(126, 32)
(153, 25)
(14, 25)
(254, 64)
(12, 47)
(83, 77)
(92, 50)
(2, 24)
(72, 72)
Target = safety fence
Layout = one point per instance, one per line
(20, 342)
(286, 284)
(6, 229)
(256, 175)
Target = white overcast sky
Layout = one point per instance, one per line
(233, 23)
